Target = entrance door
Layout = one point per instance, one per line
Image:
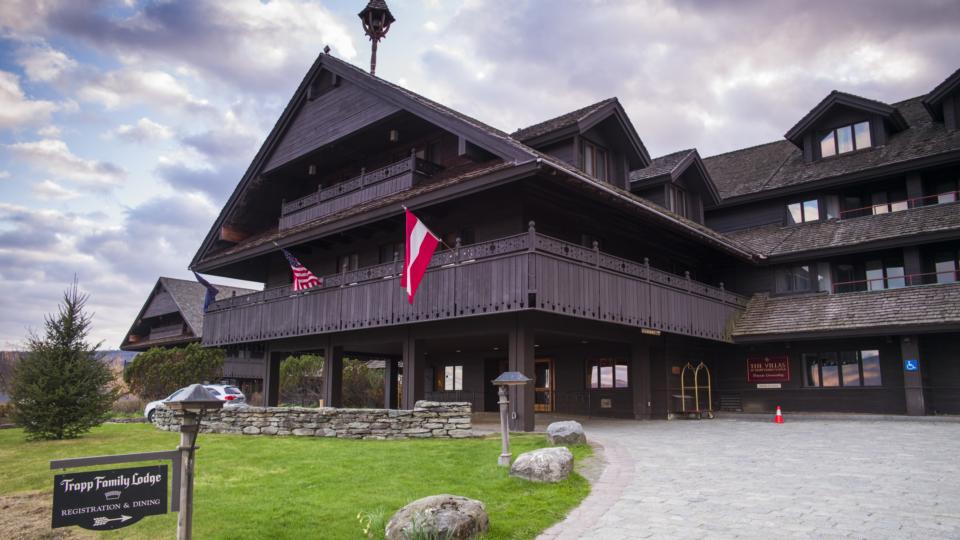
(543, 385)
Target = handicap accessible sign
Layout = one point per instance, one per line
(911, 365)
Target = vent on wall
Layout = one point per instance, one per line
(731, 403)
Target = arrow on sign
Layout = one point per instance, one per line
(101, 521)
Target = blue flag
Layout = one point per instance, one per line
(212, 292)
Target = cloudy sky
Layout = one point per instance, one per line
(125, 124)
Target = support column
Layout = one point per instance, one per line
(521, 355)
(914, 186)
(640, 379)
(271, 379)
(413, 365)
(391, 370)
(332, 375)
(913, 265)
(912, 380)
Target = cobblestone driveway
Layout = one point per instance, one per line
(749, 479)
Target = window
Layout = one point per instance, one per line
(803, 212)
(946, 191)
(846, 368)
(945, 264)
(609, 373)
(349, 261)
(884, 274)
(845, 139)
(449, 379)
(794, 279)
(390, 252)
(466, 236)
(889, 201)
(593, 160)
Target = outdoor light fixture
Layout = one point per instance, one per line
(192, 402)
(507, 378)
(376, 19)
(312, 170)
(394, 135)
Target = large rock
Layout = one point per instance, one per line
(439, 516)
(543, 465)
(566, 433)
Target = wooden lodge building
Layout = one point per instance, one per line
(819, 273)
(172, 316)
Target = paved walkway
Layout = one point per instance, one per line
(728, 478)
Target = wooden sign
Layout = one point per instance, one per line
(111, 499)
(768, 369)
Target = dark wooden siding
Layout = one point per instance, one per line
(747, 216)
(497, 276)
(338, 112)
(940, 362)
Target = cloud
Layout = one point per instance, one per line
(215, 182)
(49, 132)
(145, 130)
(4, 175)
(127, 87)
(41, 250)
(16, 109)
(50, 190)
(43, 63)
(53, 157)
(248, 43)
(709, 74)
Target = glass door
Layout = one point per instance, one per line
(543, 385)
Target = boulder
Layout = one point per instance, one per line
(439, 516)
(543, 465)
(566, 433)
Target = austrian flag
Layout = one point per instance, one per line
(418, 250)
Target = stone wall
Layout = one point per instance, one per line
(428, 419)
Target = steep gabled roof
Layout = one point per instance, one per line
(670, 167)
(779, 166)
(478, 133)
(565, 120)
(843, 99)
(934, 99)
(188, 296)
(896, 311)
(581, 120)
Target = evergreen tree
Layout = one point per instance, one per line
(60, 389)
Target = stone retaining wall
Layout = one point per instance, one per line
(428, 419)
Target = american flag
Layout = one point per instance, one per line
(302, 278)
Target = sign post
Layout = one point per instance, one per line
(112, 499)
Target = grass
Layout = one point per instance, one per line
(306, 487)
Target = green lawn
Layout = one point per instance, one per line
(306, 487)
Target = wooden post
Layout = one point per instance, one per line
(521, 358)
(390, 383)
(640, 375)
(188, 437)
(413, 368)
(912, 380)
(332, 375)
(596, 254)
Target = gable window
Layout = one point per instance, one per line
(845, 139)
(803, 212)
(846, 368)
(593, 160)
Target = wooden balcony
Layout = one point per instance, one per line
(528, 271)
(393, 178)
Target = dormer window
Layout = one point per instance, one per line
(845, 139)
(593, 160)
(803, 211)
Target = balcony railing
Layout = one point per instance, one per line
(897, 282)
(521, 272)
(899, 206)
(393, 178)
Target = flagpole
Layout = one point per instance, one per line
(405, 209)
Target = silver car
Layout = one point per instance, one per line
(231, 395)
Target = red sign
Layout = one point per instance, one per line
(768, 369)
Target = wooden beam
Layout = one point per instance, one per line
(232, 234)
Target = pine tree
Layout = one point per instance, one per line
(60, 389)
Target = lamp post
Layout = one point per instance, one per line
(376, 19)
(192, 402)
(507, 378)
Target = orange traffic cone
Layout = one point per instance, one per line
(778, 419)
